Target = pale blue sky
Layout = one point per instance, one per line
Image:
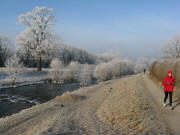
(134, 27)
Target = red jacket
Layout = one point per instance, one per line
(168, 83)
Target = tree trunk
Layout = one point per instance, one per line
(39, 64)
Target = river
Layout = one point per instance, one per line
(15, 99)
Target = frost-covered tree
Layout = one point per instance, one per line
(138, 68)
(75, 68)
(103, 71)
(171, 50)
(37, 40)
(85, 75)
(113, 69)
(67, 75)
(121, 67)
(70, 53)
(5, 51)
(141, 64)
(14, 67)
(107, 56)
(57, 68)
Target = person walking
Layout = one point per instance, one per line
(168, 83)
(144, 71)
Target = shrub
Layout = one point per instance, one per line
(85, 75)
(14, 67)
(56, 70)
(74, 69)
(113, 69)
(159, 69)
(103, 72)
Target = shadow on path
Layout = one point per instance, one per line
(177, 101)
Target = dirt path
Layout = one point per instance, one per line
(116, 107)
(172, 117)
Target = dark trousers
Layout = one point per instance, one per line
(170, 97)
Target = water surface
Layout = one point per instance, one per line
(15, 99)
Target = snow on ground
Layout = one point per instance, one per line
(29, 76)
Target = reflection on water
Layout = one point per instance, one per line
(15, 99)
